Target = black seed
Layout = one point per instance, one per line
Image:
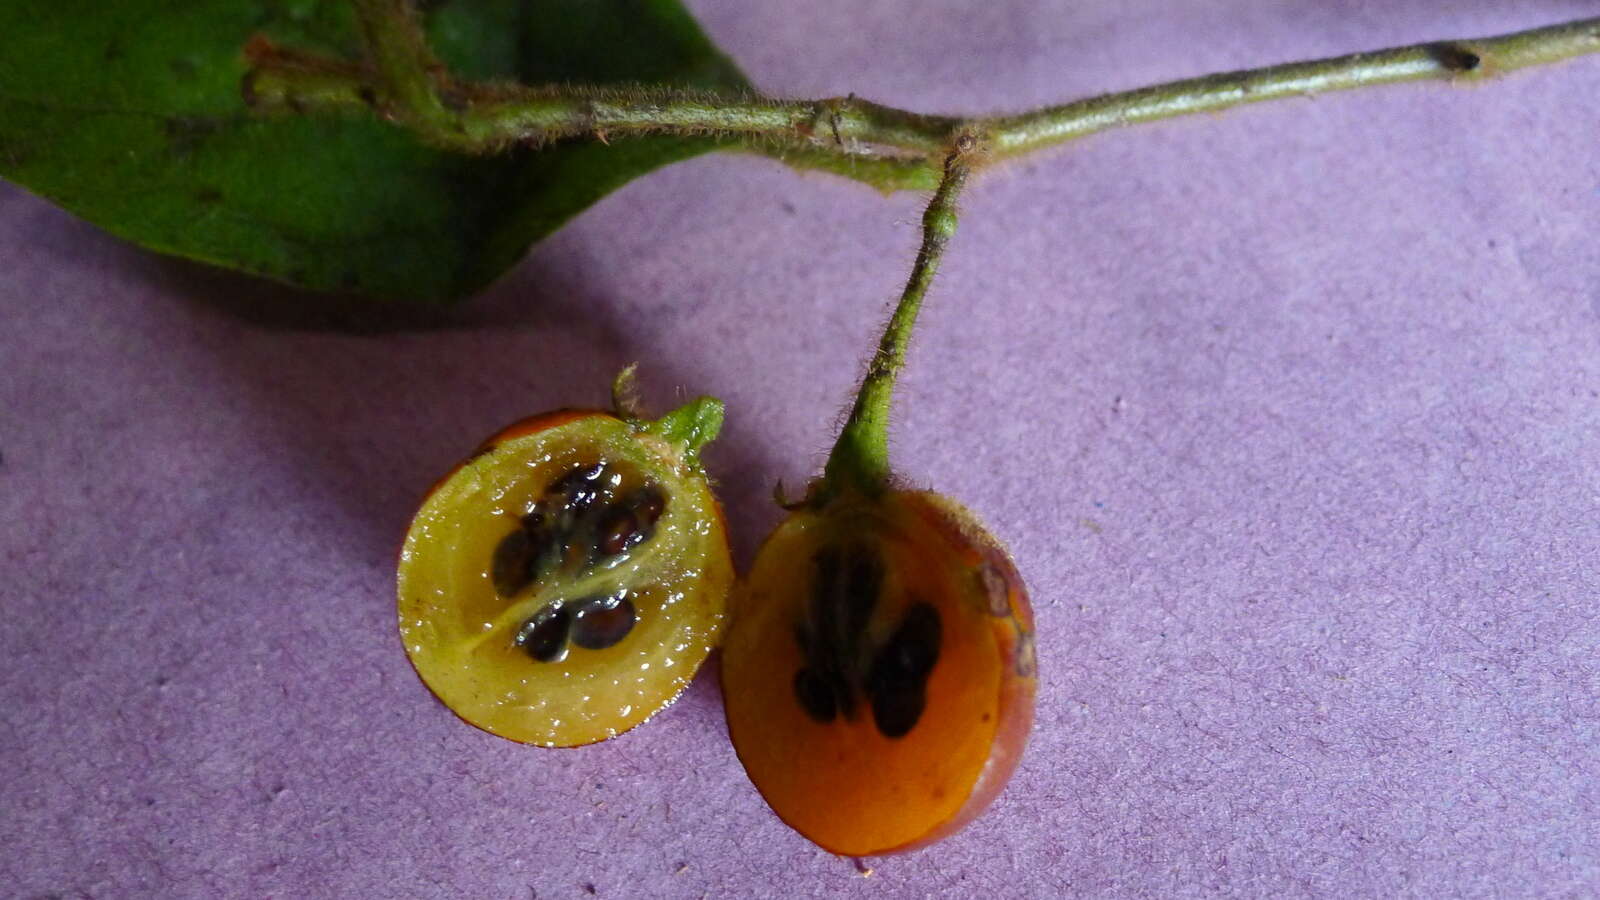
(896, 711)
(816, 695)
(848, 580)
(628, 524)
(600, 622)
(619, 532)
(577, 490)
(897, 683)
(864, 581)
(802, 637)
(834, 643)
(825, 564)
(825, 590)
(647, 503)
(914, 647)
(544, 637)
(511, 568)
(523, 556)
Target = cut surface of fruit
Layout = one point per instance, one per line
(566, 582)
(879, 671)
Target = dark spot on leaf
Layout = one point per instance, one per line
(185, 134)
(207, 194)
(422, 226)
(247, 87)
(184, 69)
(13, 154)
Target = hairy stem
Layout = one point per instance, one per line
(860, 458)
(887, 147)
(406, 68)
(1484, 57)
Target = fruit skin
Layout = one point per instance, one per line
(1016, 700)
(946, 536)
(672, 444)
(533, 424)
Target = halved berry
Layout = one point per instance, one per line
(879, 671)
(566, 581)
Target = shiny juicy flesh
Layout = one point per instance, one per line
(565, 583)
(879, 672)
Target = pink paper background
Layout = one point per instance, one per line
(1290, 416)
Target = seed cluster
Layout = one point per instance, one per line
(585, 520)
(593, 623)
(841, 664)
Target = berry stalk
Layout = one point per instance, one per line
(860, 457)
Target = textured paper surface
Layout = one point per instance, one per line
(1290, 416)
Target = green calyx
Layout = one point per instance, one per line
(687, 428)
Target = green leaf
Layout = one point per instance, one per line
(129, 114)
